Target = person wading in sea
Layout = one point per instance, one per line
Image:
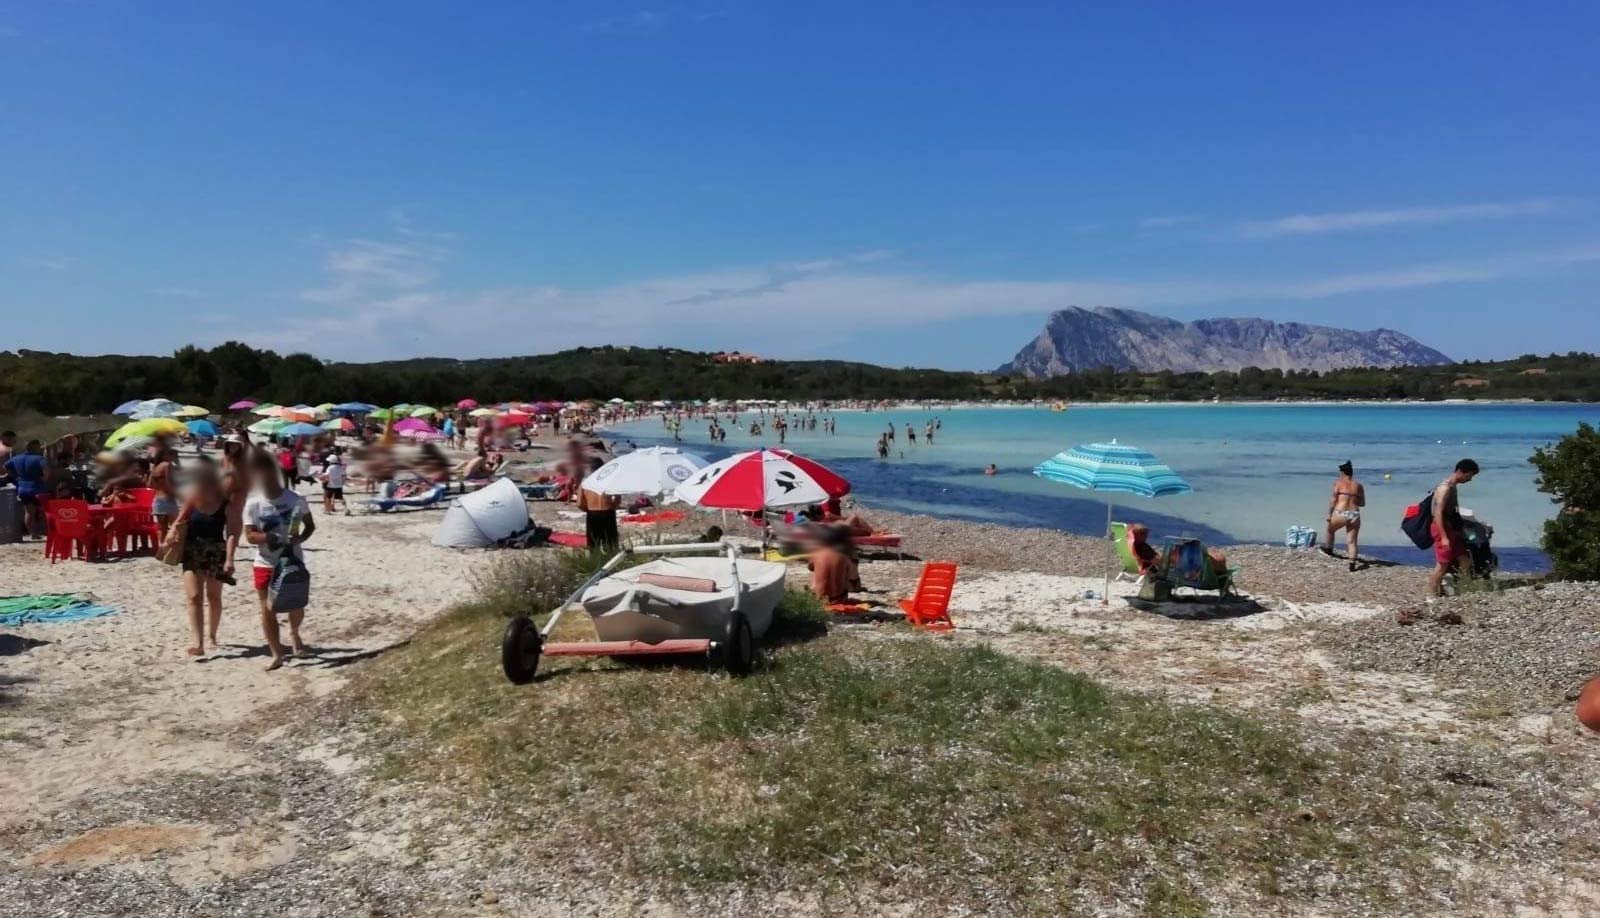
(1344, 510)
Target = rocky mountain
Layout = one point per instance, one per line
(1085, 339)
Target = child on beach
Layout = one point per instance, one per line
(277, 521)
(333, 484)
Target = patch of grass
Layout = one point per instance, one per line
(943, 772)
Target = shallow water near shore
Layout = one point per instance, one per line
(1256, 469)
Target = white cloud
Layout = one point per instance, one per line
(51, 262)
(639, 21)
(1348, 221)
(383, 300)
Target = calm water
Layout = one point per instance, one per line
(1255, 468)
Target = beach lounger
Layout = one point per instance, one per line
(1189, 564)
(658, 516)
(435, 495)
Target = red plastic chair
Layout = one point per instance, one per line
(67, 527)
(930, 607)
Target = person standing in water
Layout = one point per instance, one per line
(1344, 510)
(1449, 535)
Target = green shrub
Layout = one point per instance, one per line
(1570, 473)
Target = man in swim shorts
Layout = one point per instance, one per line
(1449, 535)
(1344, 510)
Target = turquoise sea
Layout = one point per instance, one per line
(1256, 469)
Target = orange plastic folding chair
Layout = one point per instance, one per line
(930, 607)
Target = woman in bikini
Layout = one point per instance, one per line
(1344, 511)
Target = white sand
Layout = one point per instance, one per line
(115, 699)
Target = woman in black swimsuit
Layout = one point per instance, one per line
(208, 546)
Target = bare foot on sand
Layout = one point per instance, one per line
(301, 650)
(275, 664)
(195, 651)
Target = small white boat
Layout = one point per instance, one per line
(717, 606)
(676, 598)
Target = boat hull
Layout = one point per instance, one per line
(653, 614)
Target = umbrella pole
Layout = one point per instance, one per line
(1105, 597)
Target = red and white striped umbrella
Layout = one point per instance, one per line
(760, 480)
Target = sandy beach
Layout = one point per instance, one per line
(138, 781)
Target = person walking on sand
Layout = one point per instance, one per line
(165, 506)
(600, 519)
(1344, 510)
(333, 484)
(26, 470)
(276, 520)
(1449, 536)
(209, 540)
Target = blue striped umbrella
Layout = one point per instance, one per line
(1112, 468)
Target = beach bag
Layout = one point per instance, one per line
(171, 551)
(290, 585)
(1417, 523)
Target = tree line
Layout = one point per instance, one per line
(56, 384)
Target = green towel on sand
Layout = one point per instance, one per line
(48, 607)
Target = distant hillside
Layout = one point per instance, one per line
(36, 385)
(1078, 339)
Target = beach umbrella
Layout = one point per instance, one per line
(267, 426)
(467, 403)
(155, 408)
(353, 408)
(243, 404)
(422, 411)
(615, 401)
(482, 413)
(127, 407)
(382, 414)
(148, 427)
(133, 444)
(326, 406)
(265, 409)
(202, 429)
(299, 430)
(340, 424)
(1112, 468)
(759, 480)
(191, 411)
(402, 408)
(515, 418)
(412, 424)
(422, 434)
(653, 471)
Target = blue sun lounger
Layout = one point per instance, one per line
(414, 502)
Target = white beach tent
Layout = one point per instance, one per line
(483, 517)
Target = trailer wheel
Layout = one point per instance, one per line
(737, 651)
(520, 649)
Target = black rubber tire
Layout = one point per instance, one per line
(520, 649)
(737, 651)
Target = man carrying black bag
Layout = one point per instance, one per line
(276, 522)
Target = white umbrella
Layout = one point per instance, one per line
(155, 408)
(652, 471)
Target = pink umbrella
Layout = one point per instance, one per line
(467, 403)
(429, 434)
(242, 404)
(410, 425)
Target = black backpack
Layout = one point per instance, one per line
(1417, 523)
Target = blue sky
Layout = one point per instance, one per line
(907, 183)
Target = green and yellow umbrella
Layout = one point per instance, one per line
(191, 411)
(150, 427)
